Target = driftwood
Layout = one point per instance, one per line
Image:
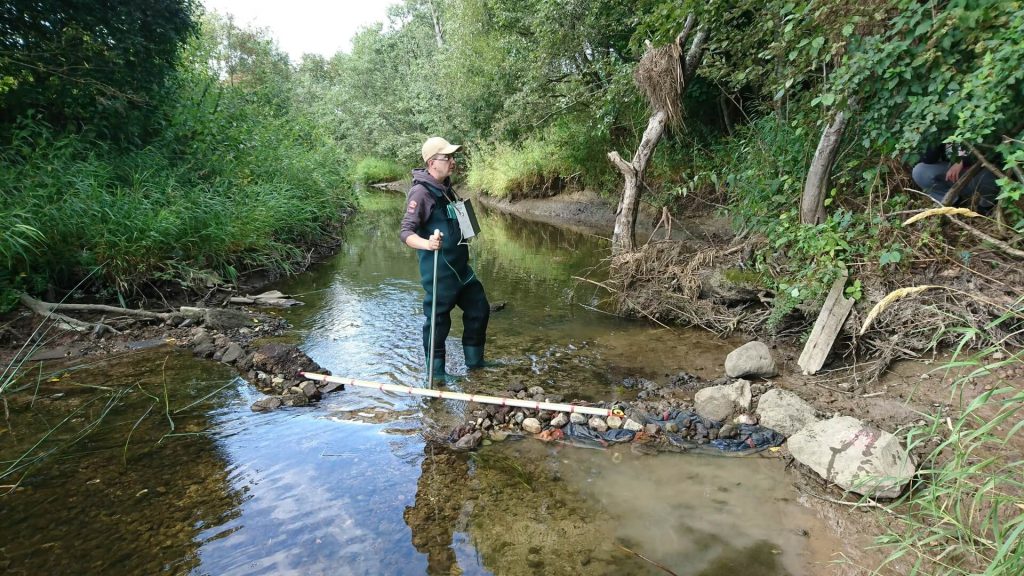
(812, 203)
(49, 310)
(662, 75)
(830, 321)
(272, 298)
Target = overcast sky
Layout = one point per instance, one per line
(300, 26)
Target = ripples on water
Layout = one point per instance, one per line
(351, 487)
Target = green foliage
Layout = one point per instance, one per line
(373, 170)
(94, 65)
(238, 179)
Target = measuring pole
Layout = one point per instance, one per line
(433, 315)
(483, 399)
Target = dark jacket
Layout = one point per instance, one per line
(427, 210)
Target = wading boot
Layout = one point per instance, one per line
(441, 377)
(475, 358)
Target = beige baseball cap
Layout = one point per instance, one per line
(437, 145)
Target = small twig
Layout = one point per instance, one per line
(865, 504)
(646, 559)
(1003, 245)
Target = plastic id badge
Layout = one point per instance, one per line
(463, 212)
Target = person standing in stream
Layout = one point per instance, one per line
(427, 210)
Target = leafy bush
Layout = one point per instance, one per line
(373, 170)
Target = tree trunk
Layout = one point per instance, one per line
(437, 24)
(812, 204)
(624, 234)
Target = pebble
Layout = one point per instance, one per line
(532, 425)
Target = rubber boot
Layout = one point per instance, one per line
(440, 376)
(475, 358)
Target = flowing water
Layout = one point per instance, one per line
(177, 475)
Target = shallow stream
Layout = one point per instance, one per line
(179, 476)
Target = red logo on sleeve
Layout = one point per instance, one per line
(412, 206)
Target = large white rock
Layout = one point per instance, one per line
(784, 412)
(856, 456)
(753, 359)
(720, 402)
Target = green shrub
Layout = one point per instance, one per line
(372, 170)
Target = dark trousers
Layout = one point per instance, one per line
(475, 313)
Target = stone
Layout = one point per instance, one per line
(784, 412)
(721, 402)
(232, 353)
(632, 425)
(727, 431)
(598, 424)
(204, 349)
(614, 422)
(577, 418)
(329, 387)
(309, 389)
(560, 420)
(532, 425)
(652, 429)
(854, 455)
(535, 391)
(469, 441)
(226, 319)
(499, 435)
(267, 404)
(295, 400)
(753, 359)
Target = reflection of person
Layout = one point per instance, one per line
(440, 496)
(428, 210)
(936, 174)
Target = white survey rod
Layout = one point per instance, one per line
(399, 389)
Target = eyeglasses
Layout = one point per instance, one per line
(444, 158)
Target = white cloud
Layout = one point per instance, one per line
(306, 26)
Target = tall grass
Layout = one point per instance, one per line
(70, 203)
(374, 170)
(965, 513)
(572, 151)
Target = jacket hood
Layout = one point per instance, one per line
(421, 176)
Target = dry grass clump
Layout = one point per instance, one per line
(660, 77)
